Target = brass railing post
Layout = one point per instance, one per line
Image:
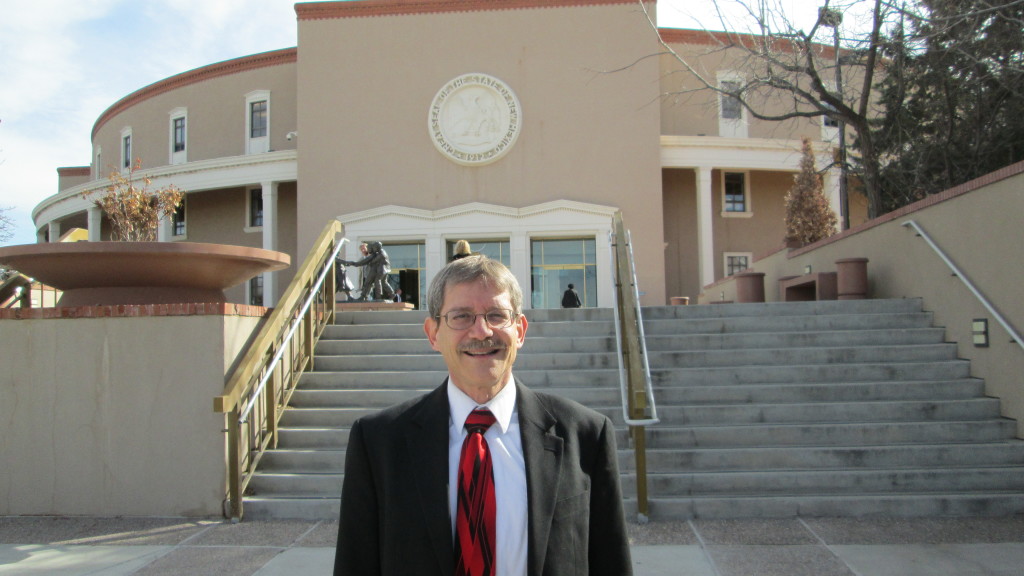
(234, 466)
(271, 403)
(638, 399)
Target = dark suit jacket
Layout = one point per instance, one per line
(394, 504)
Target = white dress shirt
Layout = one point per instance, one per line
(509, 466)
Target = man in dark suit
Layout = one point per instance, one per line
(557, 501)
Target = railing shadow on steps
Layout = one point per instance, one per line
(638, 406)
(260, 386)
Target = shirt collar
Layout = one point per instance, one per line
(502, 405)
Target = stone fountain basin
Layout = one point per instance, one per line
(110, 273)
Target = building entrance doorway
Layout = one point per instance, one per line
(557, 263)
(407, 264)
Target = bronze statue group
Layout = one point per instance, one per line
(375, 265)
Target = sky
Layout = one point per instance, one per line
(63, 62)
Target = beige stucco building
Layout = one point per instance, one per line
(519, 125)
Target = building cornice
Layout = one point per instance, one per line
(225, 68)
(370, 8)
(196, 176)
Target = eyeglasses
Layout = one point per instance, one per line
(463, 320)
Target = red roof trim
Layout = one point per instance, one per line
(225, 68)
(718, 38)
(69, 171)
(368, 8)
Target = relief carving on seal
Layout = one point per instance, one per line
(474, 119)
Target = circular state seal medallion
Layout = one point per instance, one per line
(474, 119)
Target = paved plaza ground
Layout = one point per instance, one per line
(62, 546)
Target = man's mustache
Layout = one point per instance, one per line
(485, 344)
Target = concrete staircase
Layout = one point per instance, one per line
(780, 409)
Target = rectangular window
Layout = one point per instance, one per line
(736, 263)
(735, 192)
(256, 207)
(258, 119)
(179, 134)
(256, 290)
(497, 249)
(126, 151)
(178, 220)
(731, 108)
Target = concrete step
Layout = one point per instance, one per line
(307, 485)
(847, 355)
(831, 412)
(828, 434)
(875, 481)
(932, 504)
(808, 373)
(286, 507)
(655, 343)
(763, 309)
(792, 458)
(382, 398)
(773, 393)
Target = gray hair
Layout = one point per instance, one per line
(471, 269)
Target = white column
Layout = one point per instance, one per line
(705, 235)
(605, 286)
(830, 187)
(163, 229)
(434, 257)
(269, 239)
(95, 223)
(519, 245)
(54, 231)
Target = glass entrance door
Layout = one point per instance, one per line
(557, 263)
(407, 264)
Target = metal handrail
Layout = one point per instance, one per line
(967, 282)
(634, 370)
(296, 323)
(623, 375)
(261, 385)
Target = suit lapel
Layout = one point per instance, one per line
(428, 447)
(542, 450)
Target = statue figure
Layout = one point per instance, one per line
(376, 266)
(341, 280)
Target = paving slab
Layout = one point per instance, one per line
(934, 559)
(48, 560)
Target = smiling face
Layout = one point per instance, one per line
(479, 358)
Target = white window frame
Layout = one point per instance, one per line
(725, 260)
(829, 133)
(126, 163)
(748, 203)
(174, 228)
(182, 156)
(248, 227)
(260, 144)
(249, 291)
(731, 127)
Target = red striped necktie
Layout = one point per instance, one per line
(476, 507)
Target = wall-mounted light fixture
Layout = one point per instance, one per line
(979, 332)
(807, 269)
